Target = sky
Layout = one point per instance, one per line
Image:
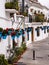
(44, 2)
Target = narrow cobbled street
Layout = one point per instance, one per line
(41, 53)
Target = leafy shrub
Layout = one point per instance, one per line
(3, 61)
(1, 29)
(16, 5)
(39, 18)
(17, 51)
(9, 5)
(25, 14)
(14, 59)
(4, 32)
(24, 46)
(12, 5)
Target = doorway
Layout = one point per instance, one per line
(32, 34)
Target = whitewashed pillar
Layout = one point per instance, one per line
(15, 17)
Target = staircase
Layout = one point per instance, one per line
(20, 22)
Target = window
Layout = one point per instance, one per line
(35, 12)
(38, 32)
(41, 12)
(23, 37)
(31, 10)
(38, 12)
(27, 36)
(44, 30)
(30, 18)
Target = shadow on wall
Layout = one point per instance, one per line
(21, 63)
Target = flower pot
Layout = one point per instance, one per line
(17, 35)
(0, 34)
(23, 35)
(9, 32)
(47, 27)
(13, 37)
(41, 28)
(29, 29)
(4, 36)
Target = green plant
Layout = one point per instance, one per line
(17, 51)
(16, 5)
(9, 5)
(39, 18)
(1, 29)
(3, 61)
(4, 32)
(25, 14)
(21, 50)
(12, 5)
(14, 59)
(24, 46)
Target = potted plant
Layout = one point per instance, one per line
(13, 35)
(3, 61)
(29, 29)
(24, 46)
(17, 30)
(10, 30)
(4, 34)
(23, 32)
(17, 33)
(41, 28)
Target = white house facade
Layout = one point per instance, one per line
(36, 32)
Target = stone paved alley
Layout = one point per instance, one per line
(41, 53)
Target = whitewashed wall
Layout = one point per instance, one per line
(4, 46)
(2, 8)
(4, 23)
(42, 34)
(7, 15)
(45, 11)
(34, 9)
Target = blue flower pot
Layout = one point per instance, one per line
(9, 32)
(27, 32)
(35, 29)
(44, 27)
(13, 37)
(17, 35)
(22, 34)
(0, 34)
(47, 27)
(4, 37)
(41, 28)
(25, 29)
(29, 29)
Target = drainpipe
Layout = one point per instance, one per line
(22, 6)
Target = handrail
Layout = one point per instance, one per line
(4, 18)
